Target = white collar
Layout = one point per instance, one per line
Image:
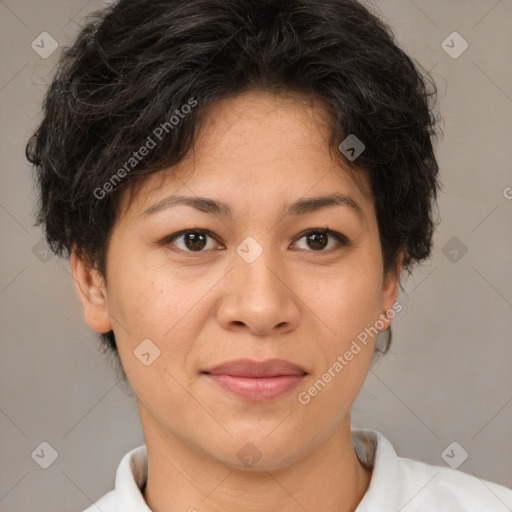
(397, 483)
(372, 449)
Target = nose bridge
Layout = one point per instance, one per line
(257, 268)
(258, 296)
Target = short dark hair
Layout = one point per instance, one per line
(137, 63)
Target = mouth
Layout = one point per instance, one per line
(256, 380)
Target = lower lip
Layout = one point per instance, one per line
(257, 388)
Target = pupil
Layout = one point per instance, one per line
(314, 237)
(190, 238)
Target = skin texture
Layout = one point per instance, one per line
(256, 152)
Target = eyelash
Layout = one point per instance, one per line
(341, 239)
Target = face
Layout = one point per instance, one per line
(256, 278)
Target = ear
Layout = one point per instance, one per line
(390, 288)
(92, 292)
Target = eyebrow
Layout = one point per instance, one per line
(299, 207)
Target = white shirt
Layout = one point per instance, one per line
(397, 484)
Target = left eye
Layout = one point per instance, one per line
(319, 239)
(195, 240)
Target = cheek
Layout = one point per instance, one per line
(349, 306)
(158, 305)
(347, 301)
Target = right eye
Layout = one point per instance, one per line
(191, 240)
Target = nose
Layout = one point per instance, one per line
(259, 297)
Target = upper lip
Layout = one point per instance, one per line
(252, 368)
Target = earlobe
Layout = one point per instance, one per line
(91, 290)
(390, 290)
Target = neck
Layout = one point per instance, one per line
(180, 478)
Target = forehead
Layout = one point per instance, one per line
(271, 145)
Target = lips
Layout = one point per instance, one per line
(256, 380)
(254, 369)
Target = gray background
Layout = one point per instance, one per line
(448, 376)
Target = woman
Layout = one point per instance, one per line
(239, 186)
